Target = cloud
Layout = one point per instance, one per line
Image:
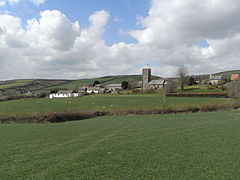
(2, 3)
(38, 2)
(53, 30)
(54, 47)
(14, 2)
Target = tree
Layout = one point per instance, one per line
(182, 74)
(234, 89)
(124, 85)
(191, 81)
(53, 91)
(96, 83)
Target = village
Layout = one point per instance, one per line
(147, 83)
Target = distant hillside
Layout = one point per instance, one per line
(13, 87)
(227, 74)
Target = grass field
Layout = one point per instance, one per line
(187, 146)
(99, 102)
(14, 83)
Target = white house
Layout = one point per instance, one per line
(64, 94)
(95, 90)
(215, 79)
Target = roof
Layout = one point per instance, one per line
(114, 85)
(215, 78)
(235, 77)
(93, 89)
(157, 82)
(64, 91)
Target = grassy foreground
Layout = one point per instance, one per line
(100, 102)
(187, 146)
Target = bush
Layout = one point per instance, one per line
(136, 91)
(211, 87)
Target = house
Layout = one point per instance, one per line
(64, 94)
(82, 89)
(157, 84)
(113, 87)
(95, 90)
(235, 77)
(215, 79)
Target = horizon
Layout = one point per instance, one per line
(44, 39)
(117, 75)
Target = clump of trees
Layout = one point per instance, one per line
(96, 83)
(124, 85)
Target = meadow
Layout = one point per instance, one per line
(186, 146)
(101, 102)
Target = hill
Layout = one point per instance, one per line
(13, 87)
(227, 74)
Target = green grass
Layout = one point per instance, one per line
(99, 102)
(188, 146)
(200, 89)
(14, 83)
(227, 74)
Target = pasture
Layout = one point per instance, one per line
(100, 102)
(186, 146)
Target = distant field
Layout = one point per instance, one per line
(187, 146)
(200, 89)
(99, 102)
(14, 83)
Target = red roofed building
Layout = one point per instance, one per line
(235, 77)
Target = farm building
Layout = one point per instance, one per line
(113, 87)
(64, 94)
(157, 84)
(235, 77)
(215, 79)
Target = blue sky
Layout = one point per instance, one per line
(123, 13)
(200, 34)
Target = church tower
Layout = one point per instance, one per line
(146, 78)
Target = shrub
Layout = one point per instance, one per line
(136, 91)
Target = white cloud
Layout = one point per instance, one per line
(38, 2)
(2, 3)
(14, 2)
(54, 47)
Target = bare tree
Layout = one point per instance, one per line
(182, 74)
(234, 89)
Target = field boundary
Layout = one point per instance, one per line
(57, 117)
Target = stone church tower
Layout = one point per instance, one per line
(146, 78)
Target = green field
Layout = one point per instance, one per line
(187, 146)
(100, 102)
(14, 83)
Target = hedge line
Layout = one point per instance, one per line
(56, 117)
(207, 94)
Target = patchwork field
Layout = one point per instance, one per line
(187, 146)
(99, 102)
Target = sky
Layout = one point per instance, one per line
(73, 39)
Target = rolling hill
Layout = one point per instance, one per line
(13, 87)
